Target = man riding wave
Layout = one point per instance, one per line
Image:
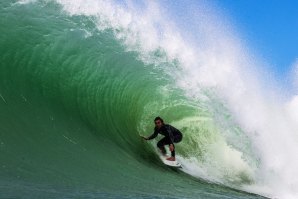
(172, 135)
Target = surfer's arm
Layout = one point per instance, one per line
(153, 135)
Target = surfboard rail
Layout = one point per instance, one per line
(175, 163)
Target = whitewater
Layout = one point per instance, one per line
(81, 80)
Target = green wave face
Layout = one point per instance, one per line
(74, 100)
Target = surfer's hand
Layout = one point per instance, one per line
(171, 147)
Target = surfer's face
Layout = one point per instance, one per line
(158, 123)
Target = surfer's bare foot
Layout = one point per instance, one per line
(171, 159)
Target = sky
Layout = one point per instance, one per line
(270, 26)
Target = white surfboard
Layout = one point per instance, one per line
(170, 163)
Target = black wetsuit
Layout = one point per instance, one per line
(172, 135)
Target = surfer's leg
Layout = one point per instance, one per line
(167, 141)
(172, 158)
(177, 139)
(173, 152)
(161, 145)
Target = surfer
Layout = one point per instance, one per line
(172, 135)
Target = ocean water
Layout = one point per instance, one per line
(81, 80)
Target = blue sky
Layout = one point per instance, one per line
(269, 26)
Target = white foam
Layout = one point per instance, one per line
(25, 1)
